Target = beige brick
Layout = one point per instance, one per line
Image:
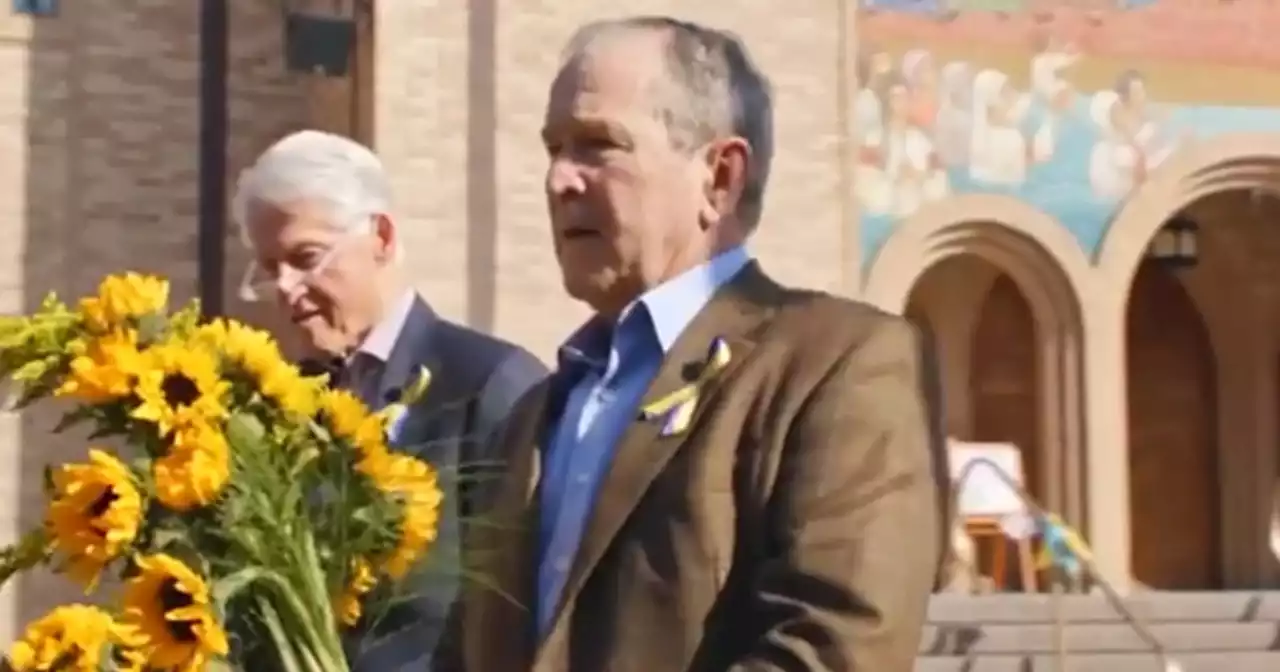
(99, 133)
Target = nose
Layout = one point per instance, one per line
(289, 284)
(564, 178)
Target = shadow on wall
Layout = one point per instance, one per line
(110, 177)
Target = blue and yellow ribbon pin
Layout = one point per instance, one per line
(1062, 546)
(675, 410)
(395, 415)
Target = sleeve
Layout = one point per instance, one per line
(854, 519)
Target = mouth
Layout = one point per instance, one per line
(575, 233)
(300, 316)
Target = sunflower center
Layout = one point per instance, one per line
(102, 503)
(171, 599)
(179, 390)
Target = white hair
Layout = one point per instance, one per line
(334, 171)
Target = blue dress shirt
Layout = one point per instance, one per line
(607, 368)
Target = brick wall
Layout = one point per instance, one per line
(98, 172)
(473, 196)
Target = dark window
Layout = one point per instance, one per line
(36, 7)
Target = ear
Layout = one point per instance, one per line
(725, 178)
(384, 229)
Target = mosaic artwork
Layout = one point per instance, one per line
(1008, 97)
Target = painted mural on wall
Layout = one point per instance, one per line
(1067, 104)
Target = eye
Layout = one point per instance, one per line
(307, 259)
(598, 143)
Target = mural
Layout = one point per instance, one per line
(1067, 105)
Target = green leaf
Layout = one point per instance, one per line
(141, 465)
(305, 458)
(167, 537)
(31, 551)
(228, 587)
(28, 394)
(244, 430)
(151, 328)
(73, 418)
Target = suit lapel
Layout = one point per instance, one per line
(736, 313)
(412, 350)
(507, 548)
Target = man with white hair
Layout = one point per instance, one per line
(316, 211)
(724, 474)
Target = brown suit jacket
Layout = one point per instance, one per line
(793, 526)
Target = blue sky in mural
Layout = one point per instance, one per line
(1060, 187)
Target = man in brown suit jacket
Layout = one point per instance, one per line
(724, 475)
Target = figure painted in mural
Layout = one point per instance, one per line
(954, 123)
(920, 73)
(1048, 72)
(316, 211)
(1001, 151)
(1132, 141)
(898, 169)
(723, 473)
(875, 70)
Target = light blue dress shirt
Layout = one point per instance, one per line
(607, 368)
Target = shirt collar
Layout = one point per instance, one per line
(666, 309)
(382, 338)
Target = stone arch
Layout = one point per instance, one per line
(1035, 250)
(1229, 161)
(1051, 271)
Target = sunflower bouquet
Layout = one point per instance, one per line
(240, 495)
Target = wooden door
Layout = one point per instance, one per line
(1173, 465)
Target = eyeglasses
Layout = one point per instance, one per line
(258, 284)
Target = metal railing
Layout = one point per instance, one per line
(1090, 571)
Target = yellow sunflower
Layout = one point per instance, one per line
(256, 352)
(73, 638)
(414, 484)
(122, 298)
(347, 605)
(94, 514)
(103, 369)
(168, 605)
(179, 386)
(351, 421)
(194, 470)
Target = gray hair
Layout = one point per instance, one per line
(719, 91)
(341, 174)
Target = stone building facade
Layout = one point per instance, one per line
(1144, 399)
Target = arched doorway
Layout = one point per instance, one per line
(1229, 188)
(986, 337)
(1173, 466)
(1004, 382)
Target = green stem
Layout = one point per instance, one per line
(284, 646)
(326, 650)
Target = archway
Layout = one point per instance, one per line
(985, 335)
(1229, 188)
(1173, 458)
(998, 284)
(959, 237)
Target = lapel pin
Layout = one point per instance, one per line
(676, 409)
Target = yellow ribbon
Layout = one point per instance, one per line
(676, 409)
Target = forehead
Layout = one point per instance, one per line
(283, 226)
(615, 75)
